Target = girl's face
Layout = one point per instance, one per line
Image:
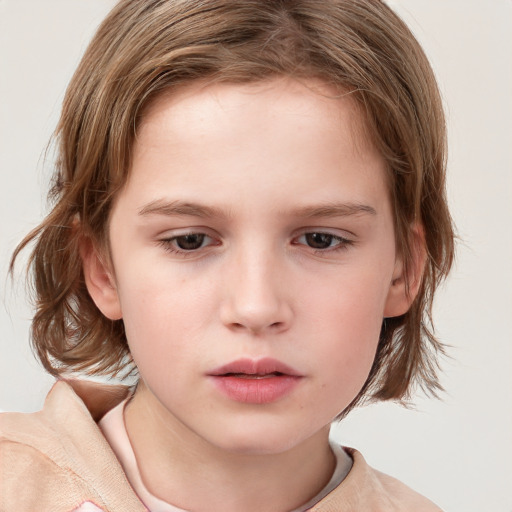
(253, 259)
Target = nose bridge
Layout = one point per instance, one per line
(256, 298)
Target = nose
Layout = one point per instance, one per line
(256, 298)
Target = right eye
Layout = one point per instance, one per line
(187, 242)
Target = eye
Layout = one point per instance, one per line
(319, 240)
(188, 242)
(323, 241)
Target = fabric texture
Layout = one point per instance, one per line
(57, 460)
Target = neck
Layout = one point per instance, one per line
(180, 468)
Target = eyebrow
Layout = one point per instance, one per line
(335, 210)
(177, 208)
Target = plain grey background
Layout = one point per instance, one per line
(457, 451)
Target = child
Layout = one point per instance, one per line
(249, 209)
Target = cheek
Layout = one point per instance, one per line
(345, 327)
(350, 303)
(163, 314)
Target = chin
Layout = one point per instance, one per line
(261, 438)
(255, 447)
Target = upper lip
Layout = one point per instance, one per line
(249, 366)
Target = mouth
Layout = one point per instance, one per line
(255, 368)
(251, 381)
(253, 375)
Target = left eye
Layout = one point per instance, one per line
(188, 242)
(321, 240)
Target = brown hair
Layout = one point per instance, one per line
(145, 47)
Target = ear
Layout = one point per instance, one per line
(99, 280)
(406, 281)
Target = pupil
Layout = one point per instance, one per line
(190, 242)
(319, 240)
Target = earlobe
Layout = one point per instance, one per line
(99, 281)
(406, 281)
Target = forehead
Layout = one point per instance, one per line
(260, 101)
(237, 138)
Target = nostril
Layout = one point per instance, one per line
(241, 327)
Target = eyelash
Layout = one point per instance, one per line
(342, 243)
(169, 244)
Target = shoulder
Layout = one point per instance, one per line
(366, 489)
(57, 459)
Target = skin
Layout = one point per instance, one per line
(266, 165)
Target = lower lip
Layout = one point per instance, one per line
(256, 390)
